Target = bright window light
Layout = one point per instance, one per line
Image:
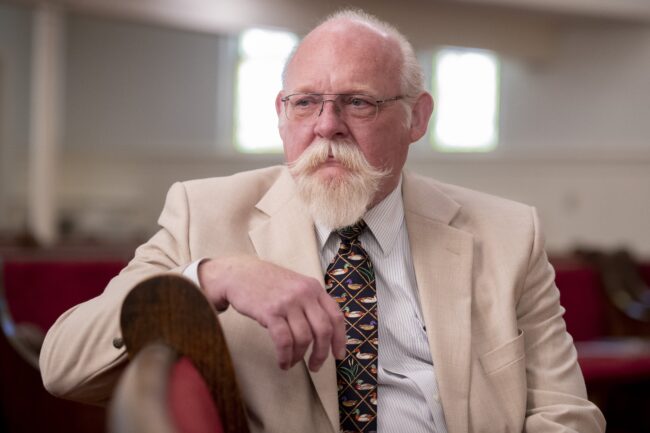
(465, 85)
(262, 55)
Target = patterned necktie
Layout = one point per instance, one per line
(350, 280)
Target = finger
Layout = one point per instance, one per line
(301, 334)
(322, 330)
(337, 320)
(283, 341)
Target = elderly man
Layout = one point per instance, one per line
(354, 296)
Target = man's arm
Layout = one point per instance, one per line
(557, 398)
(79, 360)
(295, 309)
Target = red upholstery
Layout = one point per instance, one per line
(190, 401)
(616, 368)
(25, 406)
(39, 292)
(582, 297)
(602, 359)
(644, 270)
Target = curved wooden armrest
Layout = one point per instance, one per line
(172, 310)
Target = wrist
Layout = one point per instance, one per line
(211, 281)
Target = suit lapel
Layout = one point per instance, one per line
(442, 257)
(286, 237)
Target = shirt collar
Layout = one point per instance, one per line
(384, 221)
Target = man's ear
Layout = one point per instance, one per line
(278, 103)
(420, 115)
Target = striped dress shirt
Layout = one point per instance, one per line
(408, 397)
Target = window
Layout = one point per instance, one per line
(262, 54)
(465, 85)
(465, 88)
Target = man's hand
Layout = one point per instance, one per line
(294, 308)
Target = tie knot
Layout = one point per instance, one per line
(352, 232)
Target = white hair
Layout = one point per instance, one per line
(411, 75)
(342, 200)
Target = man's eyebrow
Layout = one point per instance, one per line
(349, 91)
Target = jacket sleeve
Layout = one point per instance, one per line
(78, 360)
(556, 397)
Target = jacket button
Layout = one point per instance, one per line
(118, 342)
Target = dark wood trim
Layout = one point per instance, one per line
(173, 310)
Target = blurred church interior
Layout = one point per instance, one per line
(105, 103)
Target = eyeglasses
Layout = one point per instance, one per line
(357, 106)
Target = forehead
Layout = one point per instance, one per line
(345, 57)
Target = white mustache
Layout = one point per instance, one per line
(339, 200)
(346, 153)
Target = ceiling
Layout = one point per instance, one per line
(633, 10)
(614, 10)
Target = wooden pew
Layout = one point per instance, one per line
(33, 293)
(180, 378)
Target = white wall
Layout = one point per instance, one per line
(602, 204)
(133, 89)
(15, 43)
(575, 140)
(591, 99)
(596, 204)
(574, 133)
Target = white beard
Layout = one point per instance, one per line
(340, 201)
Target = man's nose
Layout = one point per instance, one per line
(329, 123)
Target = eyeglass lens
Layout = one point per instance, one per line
(354, 106)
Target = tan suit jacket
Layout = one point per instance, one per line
(503, 359)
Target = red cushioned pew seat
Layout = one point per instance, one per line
(40, 291)
(37, 293)
(613, 350)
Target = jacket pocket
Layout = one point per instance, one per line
(506, 354)
(505, 371)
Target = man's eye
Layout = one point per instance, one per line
(304, 102)
(355, 101)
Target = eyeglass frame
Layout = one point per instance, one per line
(378, 102)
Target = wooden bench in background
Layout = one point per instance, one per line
(33, 294)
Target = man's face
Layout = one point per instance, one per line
(345, 57)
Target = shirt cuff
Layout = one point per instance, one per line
(192, 271)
